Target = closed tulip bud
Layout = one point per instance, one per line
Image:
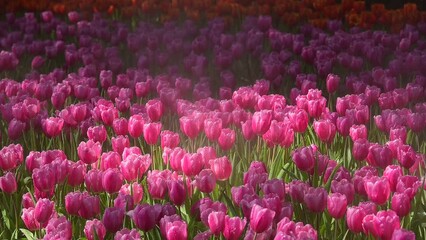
(261, 218)
(378, 189)
(73, 202)
(89, 152)
(392, 173)
(113, 219)
(385, 223)
(177, 192)
(234, 227)
(216, 221)
(332, 82)
(343, 125)
(354, 217)
(93, 181)
(151, 132)
(94, 229)
(44, 179)
(261, 121)
(337, 205)
(379, 156)
(176, 230)
(169, 139)
(110, 160)
(120, 126)
(205, 181)
(299, 120)
(157, 184)
(192, 164)
(360, 149)
(221, 167)
(406, 156)
(212, 128)
(144, 217)
(154, 109)
(246, 129)
(316, 107)
(43, 210)
(52, 126)
(191, 127)
(304, 158)
(135, 125)
(358, 132)
(325, 130)
(11, 156)
(119, 143)
(8, 183)
(89, 207)
(112, 180)
(76, 173)
(316, 199)
(401, 204)
(97, 133)
(226, 139)
(28, 217)
(27, 201)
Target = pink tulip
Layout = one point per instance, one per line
(52, 126)
(119, 143)
(226, 139)
(169, 139)
(113, 219)
(97, 133)
(325, 130)
(315, 199)
(89, 207)
(93, 181)
(221, 167)
(354, 217)
(191, 127)
(11, 156)
(135, 125)
(261, 218)
(89, 152)
(151, 132)
(378, 189)
(332, 83)
(337, 205)
(112, 180)
(385, 223)
(212, 128)
(127, 234)
(28, 217)
(8, 183)
(261, 121)
(43, 210)
(73, 202)
(58, 227)
(94, 228)
(358, 132)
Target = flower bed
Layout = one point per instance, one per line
(131, 129)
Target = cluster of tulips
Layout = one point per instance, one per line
(125, 130)
(290, 12)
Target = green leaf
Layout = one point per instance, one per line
(28, 234)
(6, 219)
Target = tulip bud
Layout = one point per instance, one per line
(261, 218)
(94, 229)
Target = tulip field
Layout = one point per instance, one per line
(212, 120)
